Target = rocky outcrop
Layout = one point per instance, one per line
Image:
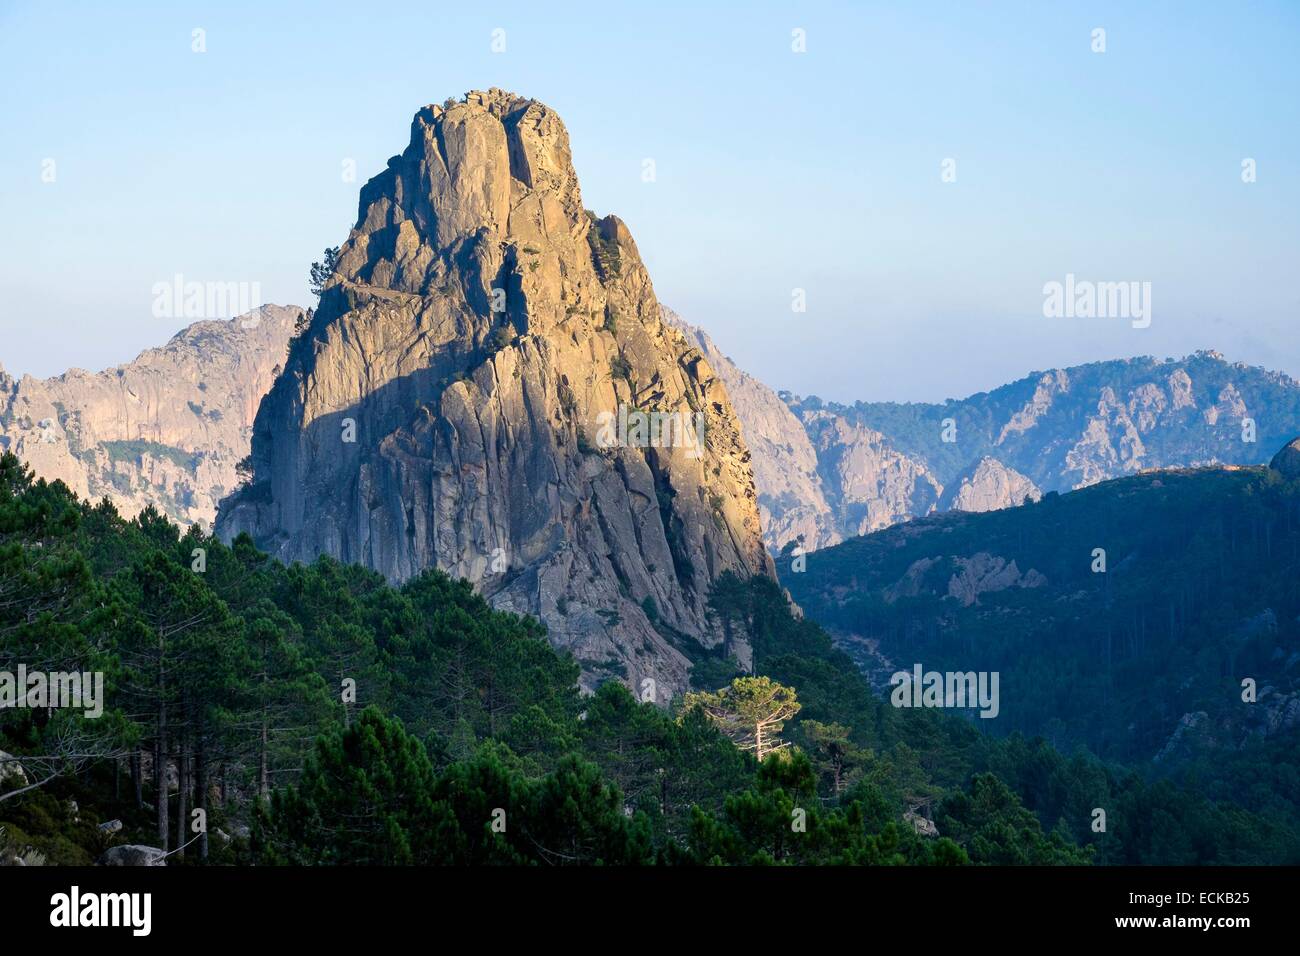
(882, 462)
(984, 573)
(1287, 461)
(1277, 712)
(165, 430)
(487, 387)
(988, 486)
(874, 485)
(857, 469)
(912, 582)
(1194, 731)
(921, 824)
(819, 477)
(12, 772)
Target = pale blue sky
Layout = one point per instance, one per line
(775, 170)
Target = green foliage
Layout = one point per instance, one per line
(370, 796)
(619, 367)
(991, 823)
(133, 451)
(1216, 812)
(322, 271)
(750, 711)
(780, 821)
(1199, 591)
(605, 253)
(233, 670)
(365, 798)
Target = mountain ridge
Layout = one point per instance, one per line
(874, 464)
(165, 429)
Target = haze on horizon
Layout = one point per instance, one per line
(774, 170)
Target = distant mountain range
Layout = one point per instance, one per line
(826, 472)
(166, 429)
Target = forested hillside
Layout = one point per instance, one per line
(319, 716)
(1153, 619)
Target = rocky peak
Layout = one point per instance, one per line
(487, 387)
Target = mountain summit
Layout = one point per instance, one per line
(487, 388)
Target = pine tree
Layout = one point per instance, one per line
(751, 711)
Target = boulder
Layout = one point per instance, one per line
(12, 773)
(922, 825)
(132, 854)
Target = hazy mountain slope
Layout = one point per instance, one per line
(1068, 428)
(165, 429)
(450, 405)
(790, 497)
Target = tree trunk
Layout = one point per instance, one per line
(160, 751)
(263, 763)
(201, 785)
(160, 776)
(182, 797)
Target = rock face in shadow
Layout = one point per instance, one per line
(487, 387)
(1287, 461)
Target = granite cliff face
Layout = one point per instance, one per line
(791, 499)
(487, 387)
(165, 430)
